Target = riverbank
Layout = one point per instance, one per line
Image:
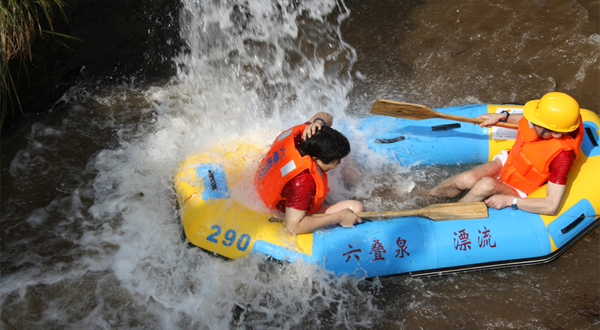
(116, 41)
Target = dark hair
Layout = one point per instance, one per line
(326, 144)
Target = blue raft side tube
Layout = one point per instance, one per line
(414, 244)
(424, 247)
(403, 140)
(421, 246)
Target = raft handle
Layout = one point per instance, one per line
(396, 139)
(573, 224)
(590, 133)
(445, 127)
(213, 182)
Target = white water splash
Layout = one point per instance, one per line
(253, 68)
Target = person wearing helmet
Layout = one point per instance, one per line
(548, 141)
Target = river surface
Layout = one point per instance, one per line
(91, 237)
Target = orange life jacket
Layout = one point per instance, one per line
(528, 165)
(281, 164)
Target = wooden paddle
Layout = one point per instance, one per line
(418, 112)
(437, 212)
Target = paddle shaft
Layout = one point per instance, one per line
(436, 212)
(418, 112)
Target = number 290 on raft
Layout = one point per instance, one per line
(229, 238)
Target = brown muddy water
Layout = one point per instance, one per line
(90, 234)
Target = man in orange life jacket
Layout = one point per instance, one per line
(292, 177)
(548, 140)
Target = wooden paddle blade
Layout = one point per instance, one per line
(454, 211)
(402, 110)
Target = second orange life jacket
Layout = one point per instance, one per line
(528, 165)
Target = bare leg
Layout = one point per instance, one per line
(485, 188)
(455, 185)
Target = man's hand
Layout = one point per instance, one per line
(499, 201)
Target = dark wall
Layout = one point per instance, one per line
(121, 40)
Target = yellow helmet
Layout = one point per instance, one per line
(555, 111)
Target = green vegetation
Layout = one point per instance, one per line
(20, 22)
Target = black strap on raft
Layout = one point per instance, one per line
(445, 127)
(396, 139)
(213, 182)
(573, 224)
(433, 128)
(590, 133)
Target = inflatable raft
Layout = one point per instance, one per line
(212, 189)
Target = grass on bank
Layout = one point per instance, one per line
(20, 22)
